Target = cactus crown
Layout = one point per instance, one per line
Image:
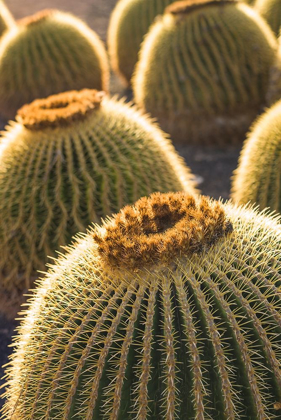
(159, 228)
(37, 17)
(187, 6)
(60, 110)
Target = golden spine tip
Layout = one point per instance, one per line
(160, 228)
(187, 6)
(37, 17)
(59, 110)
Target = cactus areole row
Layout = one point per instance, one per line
(169, 310)
(203, 70)
(70, 160)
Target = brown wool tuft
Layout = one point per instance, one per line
(160, 228)
(59, 110)
(187, 6)
(37, 17)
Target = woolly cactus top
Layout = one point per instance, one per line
(187, 6)
(37, 17)
(160, 228)
(59, 110)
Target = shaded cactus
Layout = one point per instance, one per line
(69, 160)
(170, 310)
(274, 89)
(48, 53)
(203, 70)
(258, 176)
(130, 21)
(6, 19)
(270, 10)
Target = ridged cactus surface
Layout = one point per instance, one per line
(270, 10)
(6, 19)
(48, 53)
(203, 70)
(128, 25)
(170, 310)
(258, 176)
(70, 160)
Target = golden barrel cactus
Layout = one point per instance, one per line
(258, 176)
(48, 53)
(203, 70)
(129, 22)
(170, 310)
(67, 161)
(270, 10)
(6, 19)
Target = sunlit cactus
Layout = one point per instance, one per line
(6, 19)
(258, 176)
(170, 310)
(129, 23)
(203, 70)
(48, 53)
(270, 10)
(70, 160)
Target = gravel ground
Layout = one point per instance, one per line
(212, 166)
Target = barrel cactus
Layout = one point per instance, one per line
(130, 21)
(169, 310)
(274, 89)
(271, 11)
(6, 19)
(203, 70)
(258, 176)
(48, 53)
(70, 160)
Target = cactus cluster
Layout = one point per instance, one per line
(203, 70)
(6, 19)
(270, 10)
(128, 25)
(70, 160)
(48, 53)
(258, 176)
(170, 310)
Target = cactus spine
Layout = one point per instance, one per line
(270, 10)
(6, 19)
(48, 53)
(199, 75)
(130, 21)
(258, 176)
(169, 311)
(70, 160)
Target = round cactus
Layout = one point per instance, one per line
(257, 178)
(170, 310)
(70, 160)
(270, 10)
(203, 70)
(48, 53)
(6, 19)
(274, 89)
(129, 23)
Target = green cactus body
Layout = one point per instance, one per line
(6, 19)
(48, 53)
(69, 160)
(274, 89)
(128, 25)
(170, 310)
(203, 70)
(258, 176)
(270, 10)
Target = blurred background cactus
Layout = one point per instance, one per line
(128, 25)
(47, 53)
(6, 19)
(274, 89)
(70, 160)
(270, 10)
(258, 176)
(170, 310)
(203, 70)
